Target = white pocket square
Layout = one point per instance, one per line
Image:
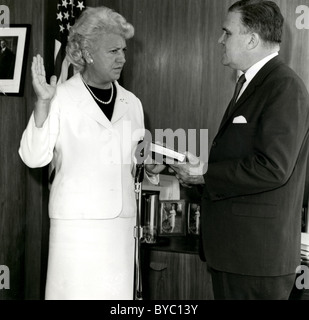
(240, 119)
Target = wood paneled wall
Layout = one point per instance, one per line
(173, 66)
(21, 189)
(174, 60)
(175, 276)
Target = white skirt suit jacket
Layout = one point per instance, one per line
(92, 199)
(93, 156)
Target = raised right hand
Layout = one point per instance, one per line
(43, 90)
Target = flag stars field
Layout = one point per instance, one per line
(81, 5)
(64, 3)
(67, 12)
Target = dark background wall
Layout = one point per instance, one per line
(173, 66)
(21, 189)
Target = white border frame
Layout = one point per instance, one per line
(14, 86)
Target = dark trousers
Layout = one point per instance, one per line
(229, 286)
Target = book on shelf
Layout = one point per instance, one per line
(305, 238)
(167, 152)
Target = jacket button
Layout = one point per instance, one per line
(214, 144)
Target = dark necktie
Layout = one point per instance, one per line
(239, 84)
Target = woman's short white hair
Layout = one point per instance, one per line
(91, 25)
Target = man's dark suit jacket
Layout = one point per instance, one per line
(253, 196)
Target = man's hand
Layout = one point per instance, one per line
(191, 172)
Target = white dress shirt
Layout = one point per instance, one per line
(252, 71)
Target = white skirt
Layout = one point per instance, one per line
(91, 259)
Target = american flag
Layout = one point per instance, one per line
(67, 12)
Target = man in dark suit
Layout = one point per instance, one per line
(254, 185)
(7, 61)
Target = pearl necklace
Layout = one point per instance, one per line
(108, 102)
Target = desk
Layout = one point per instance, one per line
(172, 270)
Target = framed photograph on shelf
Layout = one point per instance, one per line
(194, 213)
(172, 220)
(14, 47)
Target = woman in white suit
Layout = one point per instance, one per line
(89, 127)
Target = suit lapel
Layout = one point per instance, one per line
(87, 105)
(121, 104)
(256, 82)
(84, 101)
(90, 107)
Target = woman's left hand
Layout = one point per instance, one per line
(154, 168)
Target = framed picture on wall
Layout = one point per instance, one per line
(14, 47)
(172, 219)
(194, 213)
